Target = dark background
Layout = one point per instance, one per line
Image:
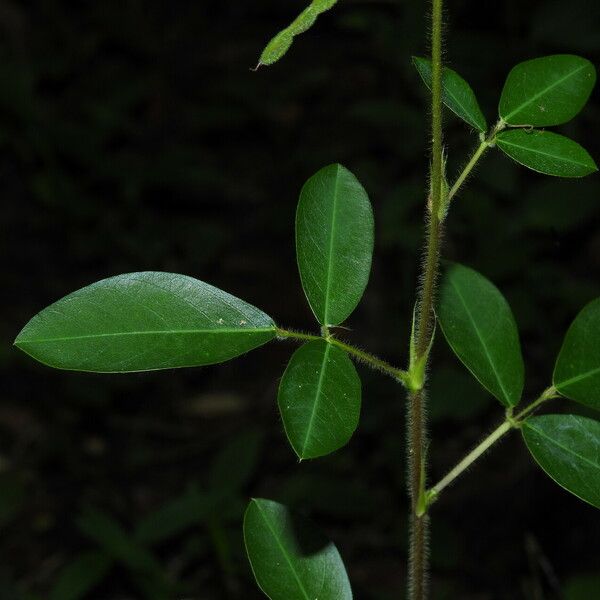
(133, 136)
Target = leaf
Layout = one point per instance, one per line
(547, 91)
(235, 463)
(481, 330)
(567, 447)
(577, 369)
(81, 576)
(191, 508)
(281, 43)
(289, 559)
(144, 321)
(546, 152)
(457, 94)
(109, 535)
(334, 242)
(319, 399)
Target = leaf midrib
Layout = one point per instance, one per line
(577, 378)
(565, 448)
(502, 140)
(542, 92)
(316, 403)
(331, 244)
(283, 551)
(134, 333)
(482, 342)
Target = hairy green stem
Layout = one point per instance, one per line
(360, 355)
(507, 425)
(416, 418)
(486, 142)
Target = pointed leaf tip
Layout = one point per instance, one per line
(144, 321)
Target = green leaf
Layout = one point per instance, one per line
(289, 559)
(546, 152)
(334, 242)
(481, 330)
(189, 509)
(567, 447)
(81, 576)
(144, 321)
(235, 463)
(119, 545)
(547, 91)
(319, 399)
(457, 94)
(577, 369)
(281, 43)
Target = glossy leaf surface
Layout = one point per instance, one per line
(481, 330)
(281, 43)
(567, 447)
(144, 321)
(547, 91)
(577, 370)
(457, 94)
(546, 152)
(290, 560)
(334, 242)
(319, 399)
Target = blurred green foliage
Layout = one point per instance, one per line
(134, 136)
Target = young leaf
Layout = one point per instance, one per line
(281, 43)
(80, 577)
(567, 447)
(577, 369)
(547, 91)
(289, 559)
(546, 152)
(334, 242)
(481, 330)
(457, 94)
(144, 321)
(319, 399)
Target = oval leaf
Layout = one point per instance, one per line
(457, 94)
(281, 43)
(547, 91)
(577, 369)
(546, 152)
(289, 559)
(319, 399)
(567, 447)
(144, 321)
(334, 243)
(481, 330)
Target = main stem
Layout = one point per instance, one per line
(416, 421)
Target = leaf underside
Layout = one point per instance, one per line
(144, 321)
(567, 448)
(289, 558)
